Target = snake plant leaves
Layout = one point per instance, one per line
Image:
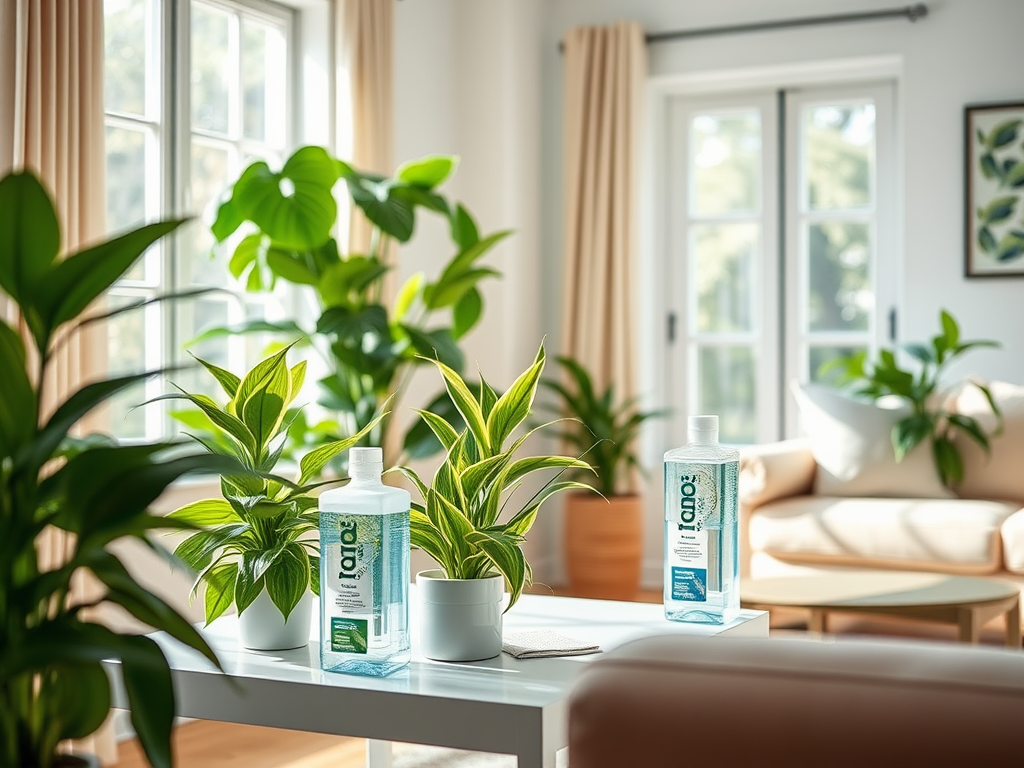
(998, 210)
(29, 236)
(515, 404)
(295, 206)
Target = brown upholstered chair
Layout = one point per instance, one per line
(673, 701)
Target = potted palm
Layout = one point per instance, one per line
(257, 548)
(458, 522)
(53, 685)
(603, 536)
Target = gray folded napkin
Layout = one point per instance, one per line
(541, 643)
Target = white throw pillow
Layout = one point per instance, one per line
(997, 475)
(852, 445)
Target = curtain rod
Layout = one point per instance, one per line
(911, 13)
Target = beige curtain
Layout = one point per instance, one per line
(605, 72)
(51, 122)
(364, 45)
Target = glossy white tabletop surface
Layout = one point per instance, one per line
(503, 679)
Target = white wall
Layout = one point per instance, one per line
(483, 79)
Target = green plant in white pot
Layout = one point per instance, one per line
(458, 522)
(258, 548)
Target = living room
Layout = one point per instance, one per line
(484, 80)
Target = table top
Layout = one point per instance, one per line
(874, 589)
(503, 679)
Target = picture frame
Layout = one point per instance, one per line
(994, 189)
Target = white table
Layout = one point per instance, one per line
(499, 705)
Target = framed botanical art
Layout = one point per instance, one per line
(994, 171)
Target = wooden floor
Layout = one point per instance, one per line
(202, 744)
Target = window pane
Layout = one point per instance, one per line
(839, 154)
(725, 155)
(124, 66)
(724, 261)
(126, 178)
(211, 68)
(126, 353)
(200, 315)
(818, 355)
(841, 296)
(726, 386)
(264, 71)
(210, 170)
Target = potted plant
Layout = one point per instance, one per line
(929, 419)
(53, 685)
(603, 536)
(458, 522)
(287, 218)
(258, 549)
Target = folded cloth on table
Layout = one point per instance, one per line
(541, 643)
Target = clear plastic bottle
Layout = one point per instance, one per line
(701, 528)
(364, 572)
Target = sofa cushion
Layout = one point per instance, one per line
(994, 475)
(852, 445)
(946, 535)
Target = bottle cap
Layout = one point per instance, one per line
(365, 457)
(701, 424)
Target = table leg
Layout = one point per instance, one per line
(819, 621)
(970, 626)
(1013, 637)
(378, 754)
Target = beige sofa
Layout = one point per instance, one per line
(675, 701)
(837, 498)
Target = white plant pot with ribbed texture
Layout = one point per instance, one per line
(261, 626)
(460, 619)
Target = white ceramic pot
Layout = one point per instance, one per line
(261, 626)
(460, 619)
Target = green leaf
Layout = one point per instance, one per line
(1014, 177)
(514, 406)
(299, 217)
(228, 423)
(466, 405)
(259, 378)
(227, 380)
(1010, 247)
(220, 589)
(971, 428)
(79, 696)
(441, 429)
(989, 169)
(147, 681)
(466, 312)
(437, 344)
(314, 574)
(947, 459)
(207, 512)
(998, 210)
(503, 551)
(313, 463)
(264, 409)
(285, 327)
(197, 550)
(920, 352)
(227, 220)
(248, 585)
(246, 253)
(450, 288)
(986, 240)
(407, 295)
(428, 171)
(348, 324)
(425, 535)
(908, 433)
(950, 329)
(17, 397)
(1003, 134)
(29, 236)
(298, 268)
(288, 579)
(463, 228)
(373, 195)
(74, 283)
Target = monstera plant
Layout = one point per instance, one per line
(279, 225)
(53, 685)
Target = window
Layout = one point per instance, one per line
(781, 247)
(194, 90)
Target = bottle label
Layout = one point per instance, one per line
(348, 635)
(693, 498)
(351, 557)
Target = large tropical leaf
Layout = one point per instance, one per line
(29, 236)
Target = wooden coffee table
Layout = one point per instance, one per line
(967, 601)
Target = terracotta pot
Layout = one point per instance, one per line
(604, 545)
